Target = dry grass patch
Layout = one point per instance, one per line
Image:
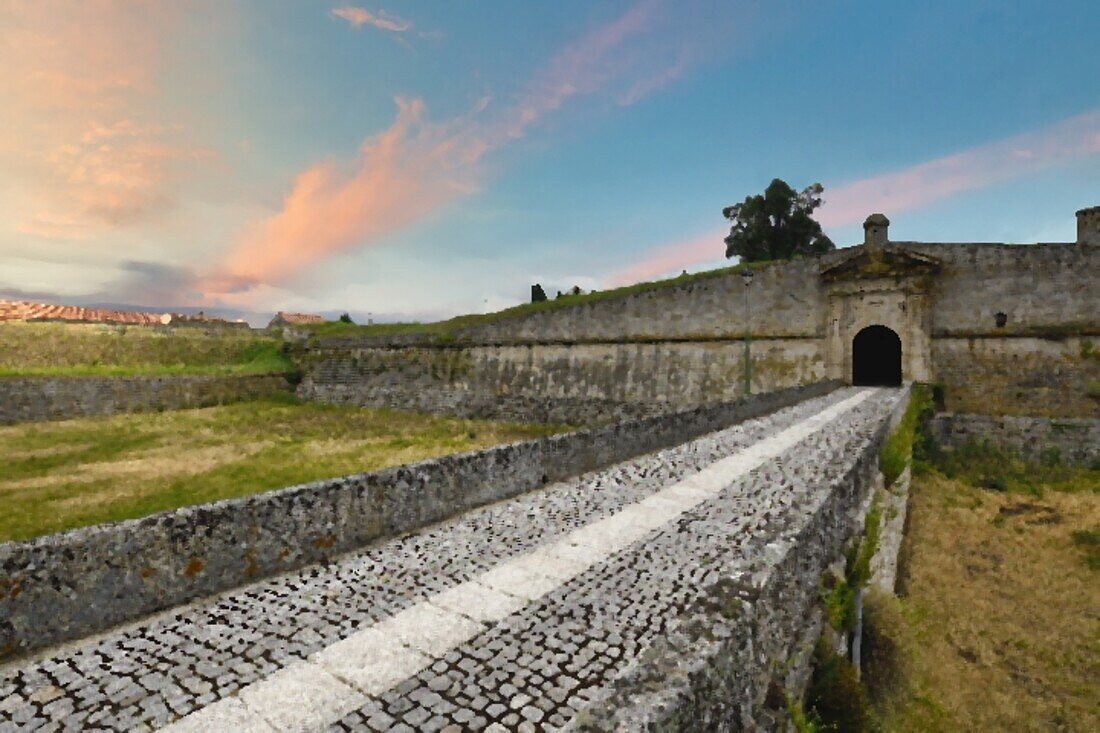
(998, 628)
(56, 476)
(157, 464)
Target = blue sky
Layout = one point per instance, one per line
(420, 159)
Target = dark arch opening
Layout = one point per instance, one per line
(876, 357)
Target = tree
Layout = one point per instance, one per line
(776, 225)
(345, 318)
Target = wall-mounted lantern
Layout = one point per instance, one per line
(1001, 319)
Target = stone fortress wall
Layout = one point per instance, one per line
(34, 399)
(1073, 440)
(1006, 329)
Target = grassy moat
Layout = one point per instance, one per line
(69, 474)
(997, 623)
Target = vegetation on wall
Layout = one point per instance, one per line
(983, 465)
(896, 449)
(839, 594)
(835, 699)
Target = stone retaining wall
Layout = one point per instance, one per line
(1076, 440)
(572, 383)
(743, 646)
(35, 399)
(68, 585)
(486, 406)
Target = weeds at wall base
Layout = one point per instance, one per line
(835, 699)
(1088, 540)
(898, 446)
(802, 721)
(983, 465)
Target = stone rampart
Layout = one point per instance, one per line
(35, 399)
(1043, 289)
(578, 383)
(71, 584)
(1075, 440)
(784, 304)
(1007, 329)
(1019, 375)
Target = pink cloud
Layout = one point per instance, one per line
(581, 68)
(1057, 145)
(414, 167)
(83, 144)
(1060, 144)
(671, 259)
(359, 17)
(642, 51)
(400, 175)
(653, 82)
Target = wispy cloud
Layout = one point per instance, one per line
(82, 135)
(597, 59)
(670, 259)
(416, 166)
(1057, 145)
(399, 175)
(358, 17)
(1061, 144)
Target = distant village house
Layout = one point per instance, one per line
(282, 319)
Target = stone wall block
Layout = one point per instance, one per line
(1077, 440)
(36, 399)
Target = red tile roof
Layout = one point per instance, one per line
(298, 319)
(21, 310)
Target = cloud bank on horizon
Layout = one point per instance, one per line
(131, 170)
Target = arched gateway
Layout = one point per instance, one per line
(878, 318)
(876, 357)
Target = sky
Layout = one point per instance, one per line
(415, 160)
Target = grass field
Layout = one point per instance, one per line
(998, 624)
(69, 474)
(63, 349)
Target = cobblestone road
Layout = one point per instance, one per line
(510, 617)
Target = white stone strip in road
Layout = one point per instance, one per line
(312, 694)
